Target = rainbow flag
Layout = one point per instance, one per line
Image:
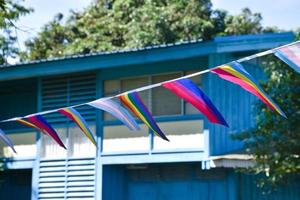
(186, 89)
(26, 123)
(235, 73)
(117, 111)
(290, 55)
(75, 116)
(42, 124)
(136, 105)
(30, 125)
(7, 140)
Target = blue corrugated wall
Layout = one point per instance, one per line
(186, 181)
(249, 191)
(165, 182)
(234, 103)
(114, 182)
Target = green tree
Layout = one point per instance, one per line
(274, 141)
(10, 12)
(125, 24)
(244, 23)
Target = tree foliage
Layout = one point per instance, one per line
(243, 23)
(274, 141)
(125, 24)
(10, 12)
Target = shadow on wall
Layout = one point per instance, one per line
(15, 184)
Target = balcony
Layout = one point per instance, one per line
(188, 142)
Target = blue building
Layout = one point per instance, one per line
(199, 161)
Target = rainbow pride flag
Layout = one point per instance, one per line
(117, 111)
(135, 104)
(7, 140)
(42, 124)
(28, 124)
(290, 55)
(75, 116)
(190, 92)
(235, 73)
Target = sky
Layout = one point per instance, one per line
(284, 14)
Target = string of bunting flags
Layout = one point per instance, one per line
(183, 87)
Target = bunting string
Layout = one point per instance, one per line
(247, 58)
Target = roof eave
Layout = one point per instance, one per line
(148, 55)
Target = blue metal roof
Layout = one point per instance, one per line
(151, 54)
(101, 53)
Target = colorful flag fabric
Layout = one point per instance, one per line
(290, 55)
(136, 105)
(75, 116)
(235, 73)
(7, 140)
(30, 125)
(117, 111)
(26, 123)
(186, 89)
(42, 124)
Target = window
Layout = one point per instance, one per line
(159, 101)
(164, 102)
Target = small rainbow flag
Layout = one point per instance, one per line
(189, 91)
(6, 140)
(290, 55)
(235, 73)
(136, 105)
(31, 125)
(75, 116)
(117, 111)
(42, 124)
(26, 123)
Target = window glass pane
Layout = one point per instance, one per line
(111, 87)
(164, 102)
(196, 80)
(133, 83)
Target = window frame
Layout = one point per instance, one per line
(160, 118)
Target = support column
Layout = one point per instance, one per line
(99, 136)
(36, 163)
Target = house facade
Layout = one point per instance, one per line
(197, 163)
